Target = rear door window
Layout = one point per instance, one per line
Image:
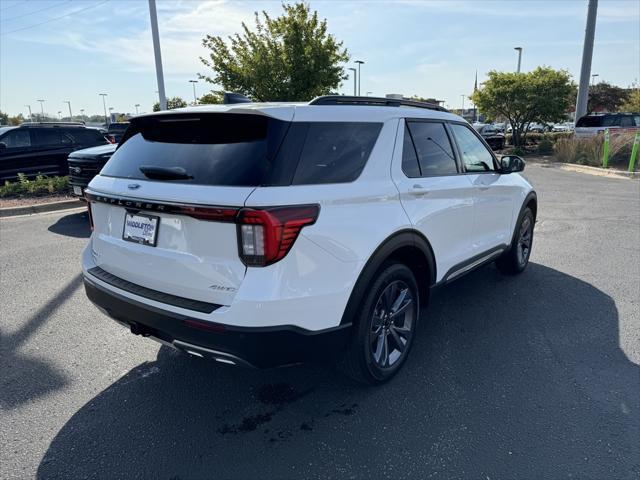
(410, 165)
(335, 152)
(48, 137)
(590, 122)
(433, 147)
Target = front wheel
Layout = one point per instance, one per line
(384, 327)
(516, 259)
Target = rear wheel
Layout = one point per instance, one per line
(516, 259)
(384, 327)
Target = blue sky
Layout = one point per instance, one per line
(61, 50)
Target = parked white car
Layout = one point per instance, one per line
(269, 234)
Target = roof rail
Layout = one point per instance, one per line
(53, 124)
(374, 101)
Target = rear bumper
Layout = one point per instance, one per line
(260, 347)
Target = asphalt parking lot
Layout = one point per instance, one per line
(535, 376)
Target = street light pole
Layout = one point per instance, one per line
(359, 62)
(354, 80)
(137, 105)
(30, 115)
(193, 82)
(41, 110)
(59, 114)
(68, 102)
(104, 105)
(156, 50)
(519, 49)
(587, 55)
(462, 111)
(593, 78)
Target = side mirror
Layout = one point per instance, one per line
(511, 164)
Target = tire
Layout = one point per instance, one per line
(366, 360)
(516, 259)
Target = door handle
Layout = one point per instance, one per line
(418, 190)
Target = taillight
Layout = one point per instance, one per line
(265, 236)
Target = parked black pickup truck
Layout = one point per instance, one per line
(86, 164)
(492, 136)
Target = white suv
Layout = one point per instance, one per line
(270, 234)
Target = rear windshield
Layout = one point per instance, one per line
(244, 149)
(86, 136)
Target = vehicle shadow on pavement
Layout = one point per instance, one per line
(510, 377)
(74, 225)
(25, 377)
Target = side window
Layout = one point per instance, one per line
(17, 138)
(627, 121)
(475, 155)
(48, 137)
(85, 136)
(335, 152)
(435, 154)
(410, 165)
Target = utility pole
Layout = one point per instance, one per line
(193, 82)
(104, 105)
(354, 81)
(587, 55)
(68, 102)
(519, 49)
(359, 62)
(156, 50)
(30, 115)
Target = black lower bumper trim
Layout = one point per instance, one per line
(259, 347)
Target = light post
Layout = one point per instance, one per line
(359, 62)
(519, 49)
(354, 80)
(587, 55)
(82, 113)
(193, 83)
(59, 114)
(30, 115)
(104, 105)
(137, 105)
(41, 110)
(155, 35)
(110, 113)
(367, 94)
(593, 78)
(462, 111)
(68, 102)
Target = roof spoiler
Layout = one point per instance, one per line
(230, 98)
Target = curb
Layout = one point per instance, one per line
(601, 172)
(40, 208)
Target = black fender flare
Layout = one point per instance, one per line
(531, 196)
(392, 244)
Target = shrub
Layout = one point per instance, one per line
(588, 151)
(514, 151)
(545, 147)
(41, 185)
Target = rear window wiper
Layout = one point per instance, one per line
(164, 173)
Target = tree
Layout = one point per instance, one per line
(605, 97)
(288, 58)
(211, 98)
(175, 102)
(4, 118)
(632, 104)
(17, 120)
(542, 95)
(418, 98)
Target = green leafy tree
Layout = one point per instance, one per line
(212, 98)
(632, 103)
(542, 95)
(607, 97)
(4, 118)
(17, 120)
(175, 102)
(288, 58)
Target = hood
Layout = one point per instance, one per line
(94, 151)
